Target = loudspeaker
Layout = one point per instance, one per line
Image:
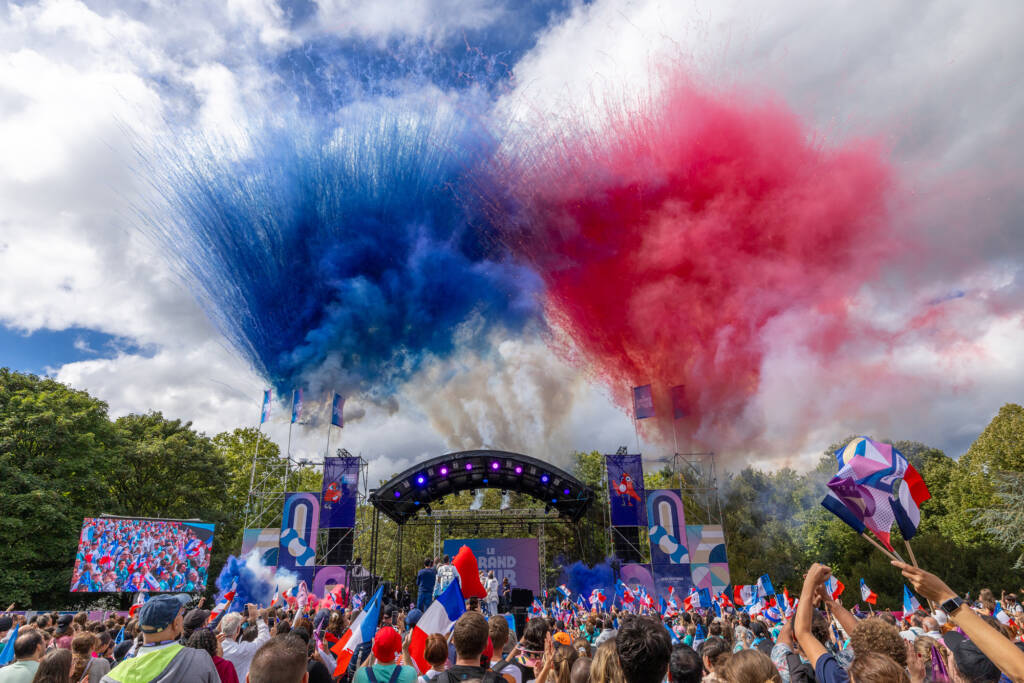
(339, 547)
(626, 544)
(522, 597)
(519, 616)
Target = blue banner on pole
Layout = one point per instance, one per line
(626, 490)
(340, 488)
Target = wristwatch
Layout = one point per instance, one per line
(952, 605)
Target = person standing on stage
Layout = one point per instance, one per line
(492, 593)
(445, 575)
(425, 580)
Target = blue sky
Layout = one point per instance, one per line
(45, 351)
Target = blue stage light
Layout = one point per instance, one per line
(421, 480)
(544, 478)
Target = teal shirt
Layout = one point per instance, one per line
(382, 672)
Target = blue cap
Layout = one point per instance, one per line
(160, 611)
(412, 617)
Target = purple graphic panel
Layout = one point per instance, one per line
(515, 558)
(299, 525)
(634, 575)
(676, 575)
(327, 578)
(341, 482)
(626, 490)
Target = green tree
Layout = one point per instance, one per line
(56, 457)
(1004, 521)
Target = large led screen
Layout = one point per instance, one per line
(126, 554)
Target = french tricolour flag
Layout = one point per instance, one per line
(361, 631)
(866, 594)
(439, 618)
(744, 595)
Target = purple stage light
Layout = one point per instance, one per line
(495, 465)
(469, 466)
(398, 494)
(519, 469)
(444, 471)
(421, 480)
(544, 478)
(566, 491)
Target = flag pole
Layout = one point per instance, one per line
(675, 438)
(255, 454)
(910, 551)
(890, 555)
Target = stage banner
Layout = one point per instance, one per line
(299, 525)
(264, 542)
(515, 558)
(709, 565)
(667, 529)
(341, 482)
(626, 490)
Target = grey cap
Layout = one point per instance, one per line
(159, 611)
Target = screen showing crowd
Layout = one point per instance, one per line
(121, 554)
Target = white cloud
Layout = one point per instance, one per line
(938, 82)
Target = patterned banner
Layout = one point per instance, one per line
(626, 490)
(667, 529)
(709, 565)
(341, 483)
(299, 525)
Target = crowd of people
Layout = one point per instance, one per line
(955, 642)
(128, 555)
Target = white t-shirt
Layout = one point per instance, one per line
(512, 671)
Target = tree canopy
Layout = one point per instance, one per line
(62, 459)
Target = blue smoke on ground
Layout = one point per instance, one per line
(338, 243)
(584, 579)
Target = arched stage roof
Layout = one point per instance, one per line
(409, 492)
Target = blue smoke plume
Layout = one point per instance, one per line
(583, 579)
(338, 242)
(250, 587)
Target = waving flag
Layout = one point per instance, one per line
(834, 587)
(723, 599)
(439, 618)
(564, 590)
(692, 600)
(906, 507)
(538, 609)
(265, 412)
(744, 595)
(582, 604)
(468, 570)
(222, 604)
(625, 594)
(140, 600)
(7, 654)
(360, 631)
(910, 603)
(1002, 616)
(337, 411)
(764, 586)
(643, 402)
(296, 405)
(866, 594)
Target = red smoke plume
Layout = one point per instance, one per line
(669, 241)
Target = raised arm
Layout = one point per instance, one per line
(996, 647)
(812, 648)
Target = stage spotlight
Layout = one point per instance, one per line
(554, 500)
(444, 471)
(544, 478)
(398, 494)
(421, 480)
(519, 469)
(495, 465)
(566, 491)
(469, 466)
